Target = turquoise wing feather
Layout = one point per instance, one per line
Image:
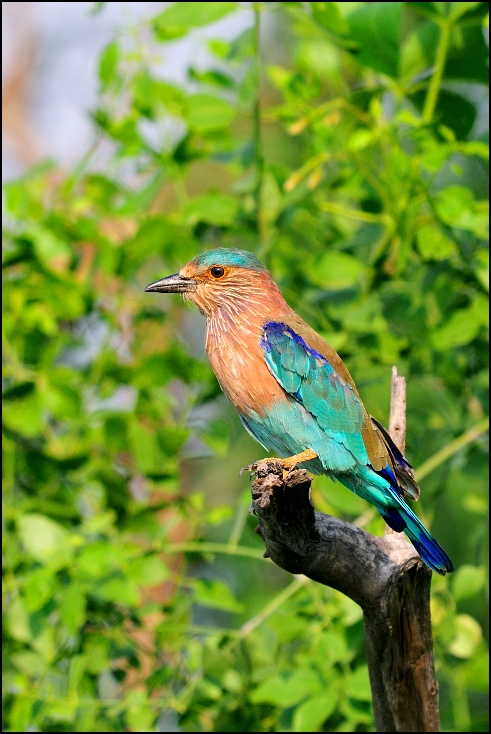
(310, 379)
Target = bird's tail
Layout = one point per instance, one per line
(381, 489)
(402, 519)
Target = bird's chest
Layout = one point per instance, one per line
(238, 362)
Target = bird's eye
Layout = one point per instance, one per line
(217, 272)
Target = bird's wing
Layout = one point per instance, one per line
(309, 377)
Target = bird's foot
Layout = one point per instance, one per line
(264, 466)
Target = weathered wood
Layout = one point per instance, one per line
(397, 417)
(385, 576)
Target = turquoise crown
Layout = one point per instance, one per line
(228, 257)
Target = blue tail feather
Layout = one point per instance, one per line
(382, 490)
(403, 519)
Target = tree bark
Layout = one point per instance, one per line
(385, 576)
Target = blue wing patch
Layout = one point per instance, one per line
(309, 378)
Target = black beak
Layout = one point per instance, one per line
(171, 284)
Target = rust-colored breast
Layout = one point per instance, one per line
(238, 362)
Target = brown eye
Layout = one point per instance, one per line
(217, 272)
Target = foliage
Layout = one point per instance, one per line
(346, 157)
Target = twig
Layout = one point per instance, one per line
(397, 418)
(270, 608)
(451, 448)
(436, 79)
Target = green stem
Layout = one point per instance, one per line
(258, 149)
(436, 79)
(238, 528)
(190, 547)
(451, 448)
(269, 609)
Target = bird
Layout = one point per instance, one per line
(292, 391)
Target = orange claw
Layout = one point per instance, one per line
(288, 464)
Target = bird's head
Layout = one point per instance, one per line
(217, 278)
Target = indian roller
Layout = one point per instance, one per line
(292, 391)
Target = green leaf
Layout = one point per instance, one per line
(97, 8)
(376, 27)
(475, 672)
(99, 559)
(286, 691)
(148, 571)
(52, 252)
(215, 593)
(418, 50)
(474, 502)
(480, 265)
(38, 588)
(96, 649)
(206, 113)
(459, 10)
(78, 666)
(433, 244)
(72, 607)
(119, 591)
(193, 15)
(327, 15)
(108, 65)
(17, 619)
(430, 9)
(138, 714)
(456, 206)
(62, 711)
(452, 110)
(42, 537)
(146, 95)
(469, 635)
(217, 437)
(219, 514)
(359, 685)
(364, 316)
(29, 663)
(461, 328)
(468, 581)
(24, 416)
(311, 714)
(271, 199)
(212, 77)
(145, 448)
(20, 714)
(332, 647)
(468, 55)
(213, 208)
(335, 271)
(360, 139)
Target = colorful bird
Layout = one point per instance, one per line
(292, 391)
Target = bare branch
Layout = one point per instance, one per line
(397, 419)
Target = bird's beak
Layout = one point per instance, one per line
(172, 284)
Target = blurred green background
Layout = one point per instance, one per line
(343, 143)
